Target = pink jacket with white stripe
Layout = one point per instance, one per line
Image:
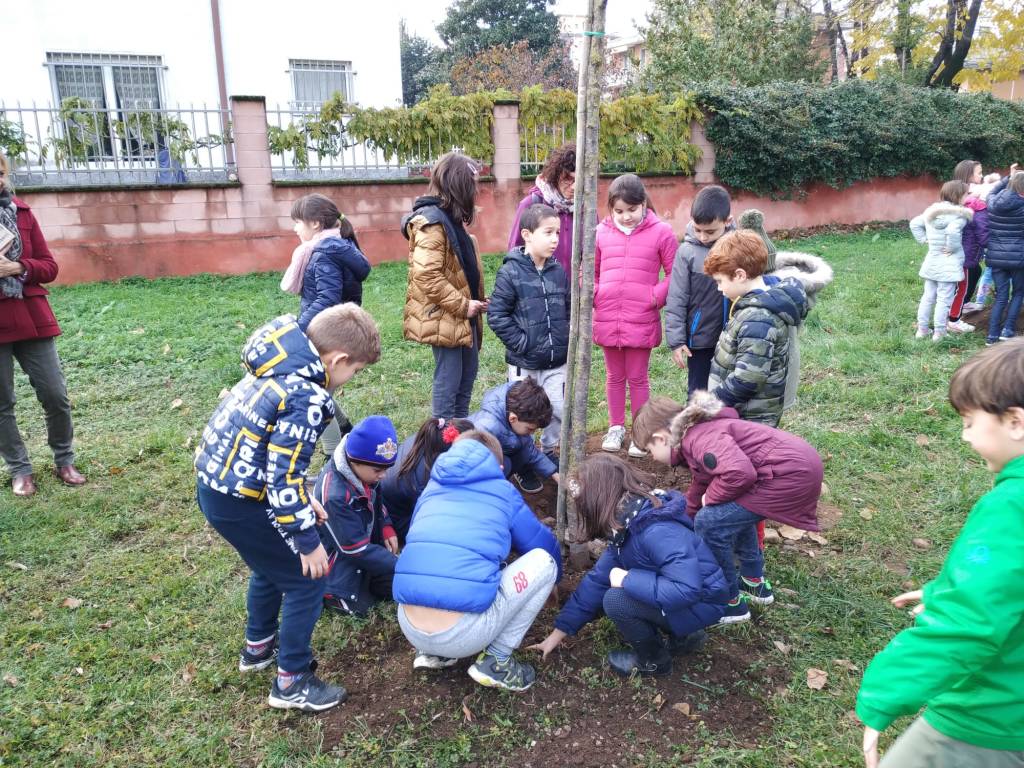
(628, 294)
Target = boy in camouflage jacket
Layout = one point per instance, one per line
(751, 359)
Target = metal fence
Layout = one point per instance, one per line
(537, 142)
(80, 144)
(334, 154)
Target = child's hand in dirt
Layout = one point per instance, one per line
(616, 576)
(870, 748)
(549, 643)
(907, 598)
(318, 509)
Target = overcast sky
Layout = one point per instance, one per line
(423, 15)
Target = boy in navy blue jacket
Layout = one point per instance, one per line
(656, 576)
(512, 413)
(251, 486)
(358, 535)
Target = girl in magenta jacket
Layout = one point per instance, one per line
(633, 248)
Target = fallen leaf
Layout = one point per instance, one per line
(921, 543)
(240, 325)
(115, 470)
(16, 565)
(922, 440)
(71, 602)
(11, 680)
(682, 708)
(851, 715)
(79, 671)
(816, 678)
(791, 533)
(783, 648)
(817, 538)
(33, 647)
(824, 489)
(908, 585)
(177, 403)
(156, 658)
(786, 591)
(875, 238)
(188, 674)
(771, 536)
(659, 702)
(846, 664)
(138, 331)
(866, 514)
(106, 624)
(466, 713)
(167, 348)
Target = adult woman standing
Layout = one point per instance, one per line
(445, 297)
(555, 186)
(27, 331)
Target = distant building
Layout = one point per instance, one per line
(626, 59)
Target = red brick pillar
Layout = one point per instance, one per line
(252, 155)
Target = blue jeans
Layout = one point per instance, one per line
(454, 375)
(639, 622)
(1004, 280)
(276, 584)
(730, 531)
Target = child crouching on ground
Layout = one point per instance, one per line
(358, 533)
(251, 471)
(454, 599)
(512, 413)
(656, 576)
(963, 659)
(742, 472)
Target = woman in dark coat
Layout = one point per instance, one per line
(27, 332)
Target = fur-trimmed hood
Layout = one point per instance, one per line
(703, 406)
(942, 208)
(813, 272)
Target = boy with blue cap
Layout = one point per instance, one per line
(359, 537)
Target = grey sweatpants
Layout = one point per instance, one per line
(525, 586)
(921, 746)
(38, 359)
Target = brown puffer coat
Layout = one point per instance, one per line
(437, 297)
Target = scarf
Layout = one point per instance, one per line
(553, 197)
(291, 282)
(10, 287)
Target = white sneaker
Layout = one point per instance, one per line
(972, 306)
(635, 451)
(922, 333)
(426, 661)
(959, 326)
(938, 336)
(613, 440)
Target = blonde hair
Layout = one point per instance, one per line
(346, 328)
(656, 414)
(1017, 183)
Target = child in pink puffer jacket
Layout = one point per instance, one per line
(633, 247)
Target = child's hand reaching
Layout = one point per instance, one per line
(907, 598)
(616, 576)
(391, 544)
(549, 643)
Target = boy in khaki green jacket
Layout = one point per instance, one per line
(963, 660)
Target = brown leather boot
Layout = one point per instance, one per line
(24, 485)
(69, 475)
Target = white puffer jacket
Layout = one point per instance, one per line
(941, 226)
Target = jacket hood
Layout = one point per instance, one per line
(650, 219)
(788, 300)
(703, 406)
(691, 235)
(427, 206)
(812, 272)
(466, 462)
(640, 513)
(940, 214)
(279, 348)
(345, 252)
(518, 255)
(975, 203)
(342, 465)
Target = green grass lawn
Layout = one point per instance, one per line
(143, 671)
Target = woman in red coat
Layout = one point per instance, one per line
(27, 332)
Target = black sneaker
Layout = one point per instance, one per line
(512, 675)
(759, 592)
(691, 643)
(528, 481)
(253, 662)
(308, 693)
(649, 659)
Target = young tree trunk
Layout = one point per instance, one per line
(832, 24)
(956, 43)
(577, 375)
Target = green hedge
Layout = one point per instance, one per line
(776, 138)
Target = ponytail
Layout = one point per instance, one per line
(433, 438)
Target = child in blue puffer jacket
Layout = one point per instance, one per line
(656, 576)
(455, 598)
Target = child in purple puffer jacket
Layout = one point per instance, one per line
(975, 239)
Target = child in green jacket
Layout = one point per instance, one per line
(963, 660)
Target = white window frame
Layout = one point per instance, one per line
(297, 67)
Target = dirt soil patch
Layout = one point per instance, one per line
(578, 710)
